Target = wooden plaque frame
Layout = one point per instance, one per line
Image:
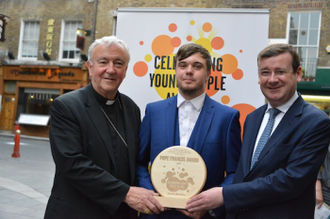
(178, 173)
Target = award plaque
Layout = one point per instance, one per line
(177, 173)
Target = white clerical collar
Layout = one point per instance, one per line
(285, 107)
(197, 102)
(109, 102)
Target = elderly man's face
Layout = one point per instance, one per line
(107, 69)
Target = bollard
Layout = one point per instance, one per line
(17, 140)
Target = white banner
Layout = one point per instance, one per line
(234, 37)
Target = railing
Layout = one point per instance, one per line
(309, 69)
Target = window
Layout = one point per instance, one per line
(68, 50)
(304, 33)
(29, 39)
(36, 100)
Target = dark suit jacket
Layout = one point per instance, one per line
(216, 137)
(282, 183)
(84, 186)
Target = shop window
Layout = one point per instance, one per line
(303, 34)
(29, 39)
(68, 50)
(36, 101)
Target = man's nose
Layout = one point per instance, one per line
(189, 69)
(273, 77)
(111, 68)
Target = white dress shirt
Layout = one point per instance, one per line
(189, 111)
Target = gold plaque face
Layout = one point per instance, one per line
(178, 173)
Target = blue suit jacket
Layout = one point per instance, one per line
(216, 137)
(282, 182)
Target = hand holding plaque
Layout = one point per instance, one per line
(178, 173)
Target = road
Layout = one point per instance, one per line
(25, 182)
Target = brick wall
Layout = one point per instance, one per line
(84, 10)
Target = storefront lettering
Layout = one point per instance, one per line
(58, 74)
(49, 36)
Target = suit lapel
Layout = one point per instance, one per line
(94, 111)
(288, 121)
(202, 126)
(171, 121)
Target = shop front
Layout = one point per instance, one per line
(317, 92)
(28, 92)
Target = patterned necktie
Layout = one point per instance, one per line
(265, 135)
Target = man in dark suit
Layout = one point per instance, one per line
(94, 142)
(280, 182)
(194, 120)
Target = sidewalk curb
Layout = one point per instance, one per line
(24, 136)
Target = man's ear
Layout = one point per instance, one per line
(89, 66)
(299, 74)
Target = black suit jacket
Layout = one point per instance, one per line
(282, 183)
(84, 186)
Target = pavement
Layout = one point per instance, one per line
(25, 182)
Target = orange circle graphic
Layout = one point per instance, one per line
(172, 27)
(229, 64)
(207, 27)
(238, 74)
(244, 110)
(225, 99)
(217, 43)
(176, 41)
(161, 46)
(140, 69)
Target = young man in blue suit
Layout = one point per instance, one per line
(194, 120)
(280, 182)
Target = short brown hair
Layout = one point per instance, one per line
(280, 48)
(190, 49)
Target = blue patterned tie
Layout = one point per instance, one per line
(265, 135)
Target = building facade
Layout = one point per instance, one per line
(42, 55)
(42, 58)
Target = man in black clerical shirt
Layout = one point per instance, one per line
(94, 141)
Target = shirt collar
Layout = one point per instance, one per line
(285, 107)
(104, 100)
(197, 102)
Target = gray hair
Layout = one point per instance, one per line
(108, 41)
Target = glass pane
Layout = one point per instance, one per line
(294, 20)
(293, 37)
(304, 20)
(65, 46)
(30, 39)
(312, 53)
(314, 22)
(71, 56)
(302, 53)
(302, 37)
(65, 54)
(69, 39)
(313, 37)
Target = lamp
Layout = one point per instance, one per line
(46, 56)
(11, 55)
(83, 57)
(85, 32)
